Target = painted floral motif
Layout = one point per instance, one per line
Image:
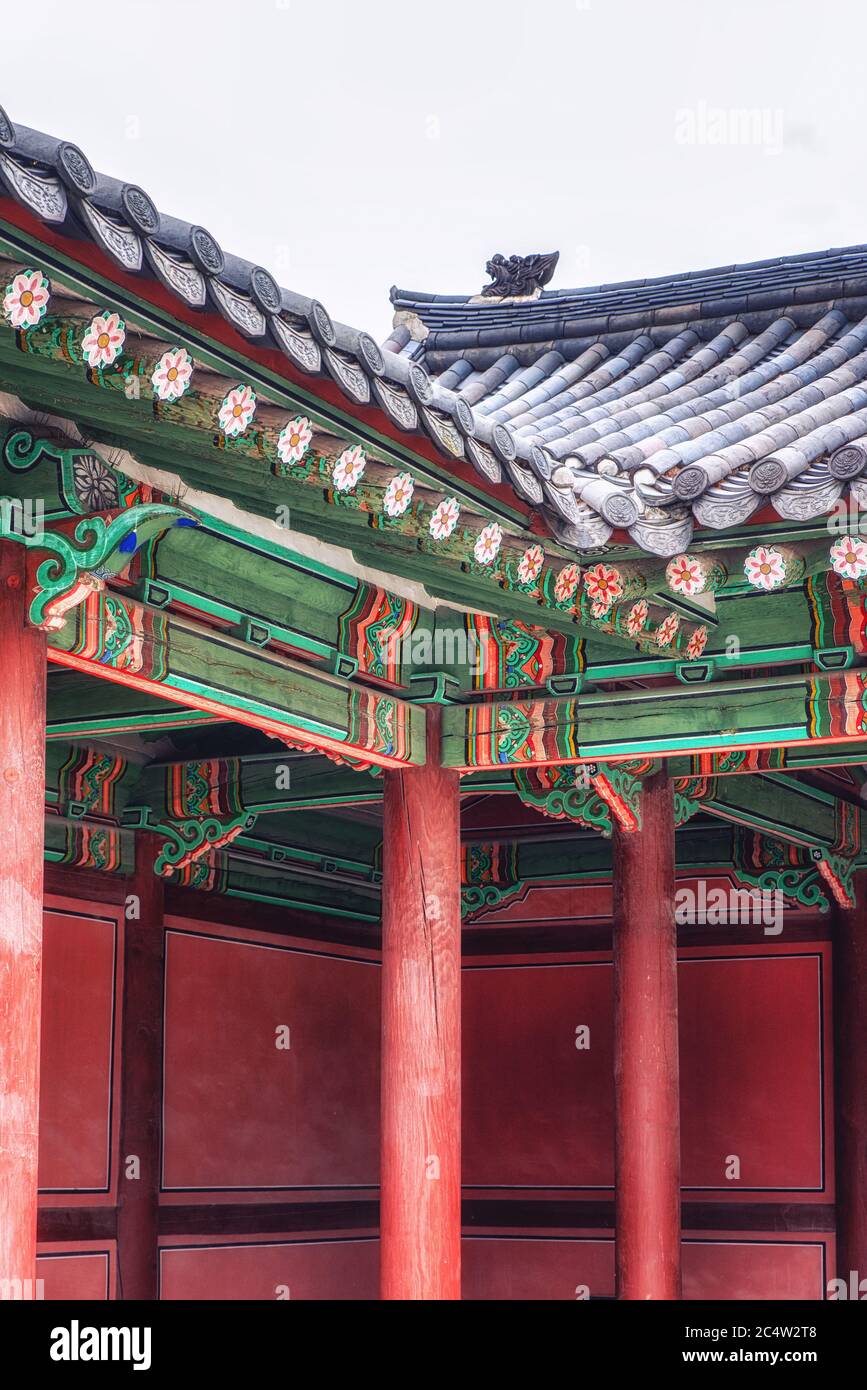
(668, 630)
(26, 299)
(765, 568)
(636, 618)
(684, 575)
(294, 440)
(236, 413)
(488, 542)
(95, 484)
(349, 468)
(566, 583)
(603, 584)
(104, 340)
(530, 564)
(849, 557)
(697, 643)
(444, 519)
(171, 375)
(398, 494)
(600, 608)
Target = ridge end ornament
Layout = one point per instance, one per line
(519, 276)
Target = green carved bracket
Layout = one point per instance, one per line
(589, 794)
(839, 876)
(478, 896)
(187, 841)
(99, 547)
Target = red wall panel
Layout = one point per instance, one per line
(78, 1035)
(731, 1268)
(272, 1269)
(75, 1271)
(520, 1269)
(751, 1072)
(239, 1113)
(539, 1113)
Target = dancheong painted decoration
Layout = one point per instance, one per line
(344, 686)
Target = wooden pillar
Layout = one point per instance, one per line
(850, 1101)
(421, 1030)
(647, 1137)
(22, 813)
(141, 1079)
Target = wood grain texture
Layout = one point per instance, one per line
(22, 782)
(646, 1071)
(421, 1040)
(141, 1081)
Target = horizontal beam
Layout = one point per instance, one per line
(117, 639)
(819, 710)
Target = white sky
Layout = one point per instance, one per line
(352, 146)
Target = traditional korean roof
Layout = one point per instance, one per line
(640, 410)
(658, 406)
(54, 180)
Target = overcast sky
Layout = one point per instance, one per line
(350, 146)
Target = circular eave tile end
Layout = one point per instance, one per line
(265, 290)
(140, 210)
(420, 384)
(848, 463)
(504, 443)
(620, 510)
(206, 251)
(767, 477)
(691, 483)
(320, 323)
(465, 418)
(75, 168)
(541, 464)
(371, 355)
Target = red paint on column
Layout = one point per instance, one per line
(141, 1079)
(647, 1113)
(421, 1038)
(850, 1055)
(22, 802)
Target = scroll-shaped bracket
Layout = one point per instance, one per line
(100, 546)
(587, 793)
(839, 875)
(188, 841)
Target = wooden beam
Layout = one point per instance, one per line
(144, 649)
(421, 1032)
(786, 712)
(22, 784)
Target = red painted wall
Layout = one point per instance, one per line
(79, 1030)
(239, 1112)
(76, 1270)
(272, 1268)
(755, 1074)
(761, 1266)
(246, 1122)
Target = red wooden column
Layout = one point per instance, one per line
(421, 1030)
(22, 812)
(850, 1052)
(647, 1098)
(141, 1078)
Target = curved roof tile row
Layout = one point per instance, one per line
(647, 405)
